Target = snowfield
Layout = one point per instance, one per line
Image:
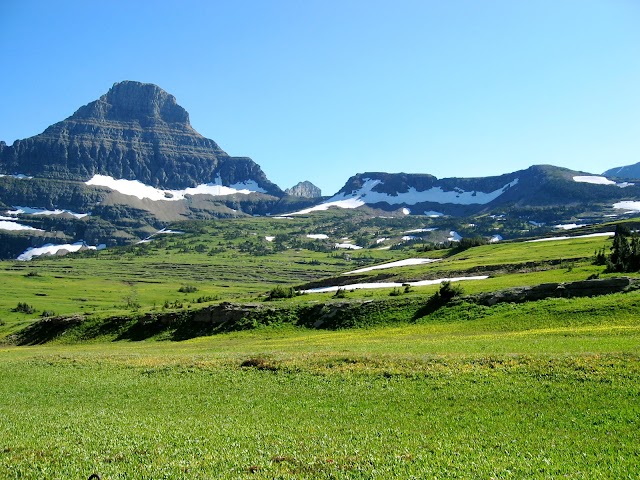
(366, 195)
(160, 232)
(603, 234)
(19, 176)
(628, 205)
(142, 191)
(41, 211)
(599, 180)
(14, 226)
(570, 226)
(399, 263)
(421, 283)
(51, 249)
(454, 236)
(433, 214)
(348, 246)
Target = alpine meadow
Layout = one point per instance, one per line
(414, 254)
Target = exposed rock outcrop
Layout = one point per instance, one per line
(304, 189)
(136, 131)
(585, 288)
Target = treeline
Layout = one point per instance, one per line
(624, 252)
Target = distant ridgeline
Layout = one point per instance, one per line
(530, 192)
(127, 164)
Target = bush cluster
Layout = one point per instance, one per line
(281, 292)
(625, 252)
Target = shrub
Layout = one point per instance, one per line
(448, 291)
(281, 292)
(188, 289)
(24, 308)
(340, 293)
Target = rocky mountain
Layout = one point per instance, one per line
(304, 189)
(119, 169)
(136, 131)
(539, 187)
(628, 172)
(126, 165)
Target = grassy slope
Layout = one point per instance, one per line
(529, 391)
(219, 260)
(540, 390)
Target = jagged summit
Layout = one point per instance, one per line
(135, 101)
(304, 189)
(136, 131)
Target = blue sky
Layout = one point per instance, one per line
(322, 89)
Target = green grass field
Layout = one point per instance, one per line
(533, 391)
(545, 389)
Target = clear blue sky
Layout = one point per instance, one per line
(322, 89)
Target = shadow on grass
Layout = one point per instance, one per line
(45, 330)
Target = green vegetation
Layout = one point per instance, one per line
(164, 360)
(536, 391)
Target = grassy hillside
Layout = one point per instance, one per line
(540, 390)
(544, 389)
(243, 259)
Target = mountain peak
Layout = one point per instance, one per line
(131, 101)
(304, 189)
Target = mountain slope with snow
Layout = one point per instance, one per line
(537, 186)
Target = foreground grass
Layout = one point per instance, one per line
(542, 390)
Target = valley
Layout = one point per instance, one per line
(390, 385)
(166, 311)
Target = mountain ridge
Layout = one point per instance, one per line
(136, 131)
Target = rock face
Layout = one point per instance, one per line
(304, 189)
(136, 131)
(584, 288)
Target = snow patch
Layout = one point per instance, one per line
(269, 239)
(406, 211)
(566, 237)
(159, 232)
(454, 236)
(600, 180)
(380, 240)
(366, 195)
(496, 238)
(348, 246)
(19, 176)
(399, 263)
(42, 211)
(408, 238)
(15, 226)
(570, 226)
(421, 283)
(433, 214)
(318, 236)
(628, 205)
(51, 249)
(138, 189)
